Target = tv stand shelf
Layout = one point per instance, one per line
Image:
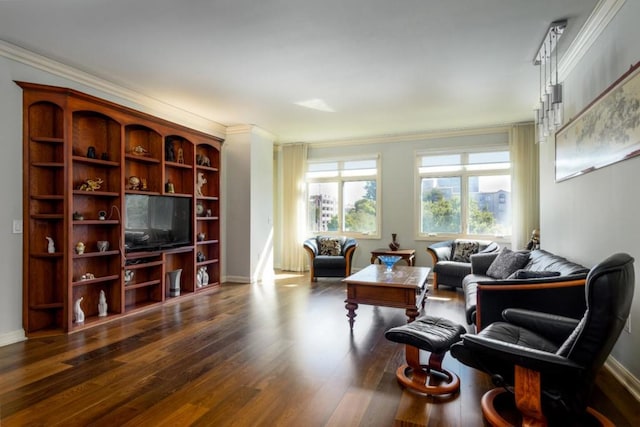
(84, 157)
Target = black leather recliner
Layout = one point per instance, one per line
(338, 265)
(556, 355)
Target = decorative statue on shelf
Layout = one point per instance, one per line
(78, 314)
(102, 245)
(201, 237)
(134, 183)
(51, 247)
(80, 248)
(87, 276)
(180, 155)
(102, 215)
(394, 245)
(534, 243)
(91, 153)
(139, 150)
(199, 183)
(202, 277)
(169, 155)
(200, 257)
(102, 305)
(128, 275)
(202, 160)
(77, 216)
(169, 188)
(91, 184)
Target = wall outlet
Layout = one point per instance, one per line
(17, 226)
(627, 326)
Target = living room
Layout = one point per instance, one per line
(585, 218)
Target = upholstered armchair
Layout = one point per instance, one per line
(451, 259)
(549, 362)
(330, 256)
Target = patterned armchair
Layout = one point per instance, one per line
(330, 256)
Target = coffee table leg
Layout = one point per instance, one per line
(412, 313)
(351, 307)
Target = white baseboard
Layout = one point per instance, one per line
(624, 377)
(236, 279)
(12, 337)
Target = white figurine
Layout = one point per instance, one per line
(78, 314)
(51, 247)
(102, 305)
(199, 183)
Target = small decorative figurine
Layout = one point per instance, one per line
(128, 275)
(80, 248)
(200, 257)
(202, 277)
(139, 150)
(91, 153)
(78, 314)
(169, 188)
(394, 245)
(143, 184)
(51, 247)
(209, 213)
(169, 154)
(77, 216)
(134, 183)
(87, 276)
(103, 245)
(202, 160)
(199, 209)
(201, 237)
(199, 183)
(102, 215)
(105, 156)
(91, 184)
(180, 155)
(102, 305)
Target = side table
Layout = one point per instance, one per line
(408, 255)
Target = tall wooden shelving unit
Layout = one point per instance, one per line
(60, 126)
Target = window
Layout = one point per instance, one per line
(342, 197)
(467, 194)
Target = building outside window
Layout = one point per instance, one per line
(465, 194)
(342, 197)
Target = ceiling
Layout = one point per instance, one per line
(382, 67)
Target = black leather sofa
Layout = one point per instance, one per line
(487, 297)
(446, 270)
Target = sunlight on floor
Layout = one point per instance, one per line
(281, 276)
(438, 298)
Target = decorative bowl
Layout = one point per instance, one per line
(389, 260)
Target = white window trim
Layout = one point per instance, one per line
(341, 180)
(464, 174)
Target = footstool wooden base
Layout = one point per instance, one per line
(435, 335)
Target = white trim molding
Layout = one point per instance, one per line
(155, 106)
(624, 377)
(12, 337)
(602, 14)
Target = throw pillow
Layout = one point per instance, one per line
(527, 274)
(506, 263)
(329, 246)
(463, 250)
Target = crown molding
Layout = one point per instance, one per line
(383, 139)
(153, 106)
(250, 129)
(602, 14)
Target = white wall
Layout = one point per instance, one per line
(595, 215)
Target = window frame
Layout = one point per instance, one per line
(341, 180)
(464, 173)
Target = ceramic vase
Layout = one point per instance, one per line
(173, 279)
(394, 245)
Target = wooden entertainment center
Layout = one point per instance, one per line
(82, 157)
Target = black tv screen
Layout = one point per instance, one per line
(156, 222)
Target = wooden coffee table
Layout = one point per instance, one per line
(408, 255)
(403, 287)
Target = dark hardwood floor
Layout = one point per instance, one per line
(247, 355)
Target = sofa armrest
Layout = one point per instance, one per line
(561, 297)
(440, 251)
(480, 262)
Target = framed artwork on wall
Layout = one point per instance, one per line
(607, 131)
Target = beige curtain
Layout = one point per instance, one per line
(525, 181)
(294, 158)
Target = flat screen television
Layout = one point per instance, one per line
(156, 222)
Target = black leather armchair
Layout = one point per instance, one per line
(549, 362)
(446, 269)
(323, 264)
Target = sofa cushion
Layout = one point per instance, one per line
(330, 246)
(528, 274)
(463, 249)
(506, 263)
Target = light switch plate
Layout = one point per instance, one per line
(17, 226)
